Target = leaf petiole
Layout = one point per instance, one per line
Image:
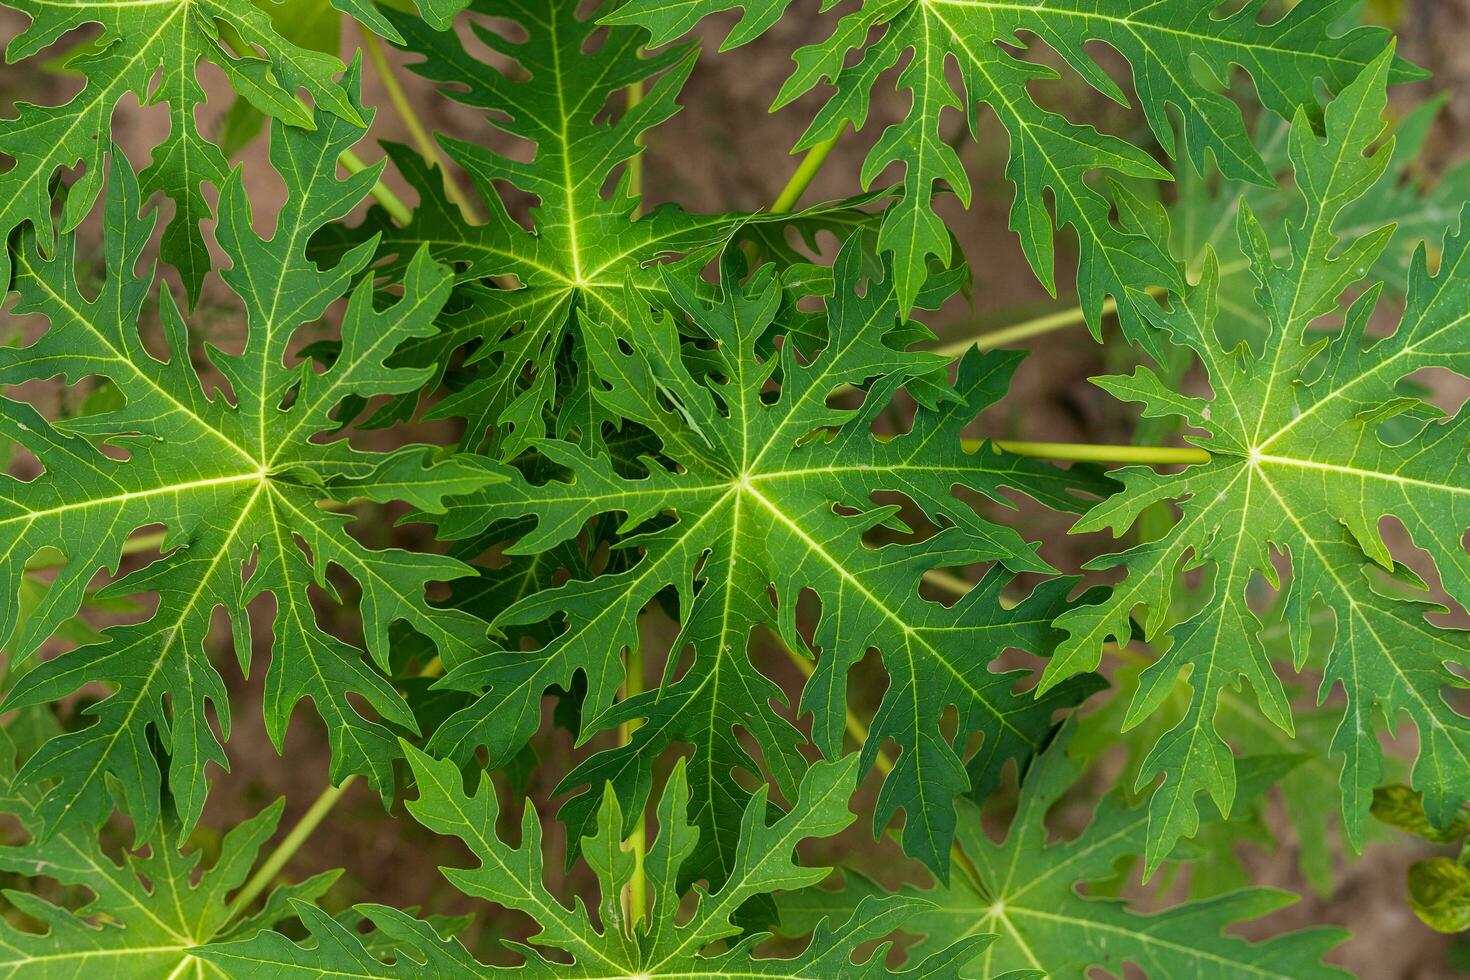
(1046, 323)
(381, 192)
(287, 848)
(1075, 452)
(805, 172)
(415, 126)
(1087, 452)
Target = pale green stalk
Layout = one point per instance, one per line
(1075, 452)
(805, 172)
(381, 192)
(1046, 323)
(416, 131)
(287, 848)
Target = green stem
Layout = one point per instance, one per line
(304, 828)
(805, 171)
(1087, 452)
(634, 95)
(633, 682)
(637, 896)
(381, 192)
(287, 848)
(416, 131)
(1023, 330)
(1074, 452)
(1046, 323)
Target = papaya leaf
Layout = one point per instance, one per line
(660, 943)
(237, 482)
(1050, 156)
(776, 492)
(1303, 464)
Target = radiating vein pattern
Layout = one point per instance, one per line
(1050, 156)
(1317, 443)
(1030, 896)
(144, 916)
(587, 240)
(698, 939)
(151, 49)
(767, 495)
(237, 484)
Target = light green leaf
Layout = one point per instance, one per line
(1419, 208)
(1181, 53)
(1304, 465)
(150, 49)
(1439, 894)
(236, 481)
(142, 917)
(1403, 808)
(311, 24)
(1030, 899)
(667, 943)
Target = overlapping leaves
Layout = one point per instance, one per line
(1202, 218)
(759, 491)
(665, 943)
(1028, 896)
(235, 480)
(1304, 465)
(1050, 156)
(710, 452)
(151, 50)
(587, 240)
(142, 917)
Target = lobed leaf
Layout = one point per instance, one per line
(1050, 156)
(770, 492)
(1031, 898)
(523, 291)
(143, 916)
(1304, 464)
(236, 483)
(704, 942)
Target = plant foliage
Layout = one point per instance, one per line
(683, 526)
(1302, 464)
(1026, 890)
(586, 248)
(144, 915)
(236, 481)
(1049, 154)
(763, 510)
(660, 943)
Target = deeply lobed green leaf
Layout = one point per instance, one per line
(1305, 465)
(142, 917)
(152, 49)
(769, 489)
(1181, 53)
(524, 289)
(703, 942)
(1029, 893)
(236, 480)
